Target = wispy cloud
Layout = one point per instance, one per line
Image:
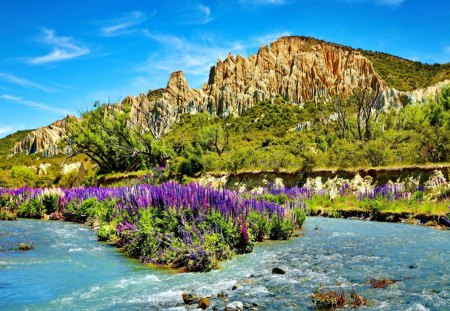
(197, 13)
(5, 129)
(192, 57)
(24, 82)
(124, 25)
(268, 38)
(33, 104)
(63, 48)
(196, 56)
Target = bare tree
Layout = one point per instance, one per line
(365, 101)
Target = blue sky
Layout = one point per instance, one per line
(59, 57)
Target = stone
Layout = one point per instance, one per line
(235, 286)
(222, 295)
(69, 168)
(189, 298)
(278, 271)
(235, 305)
(204, 303)
(42, 168)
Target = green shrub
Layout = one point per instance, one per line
(259, 225)
(31, 209)
(50, 202)
(23, 175)
(281, 229)
(299, 216)
(107, 232)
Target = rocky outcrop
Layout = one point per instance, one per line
(391, 98)
(296, 68)
(44, 139)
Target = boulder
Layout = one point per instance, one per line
(189, 298)
(204, 303)
(235, 305)
(278, 271)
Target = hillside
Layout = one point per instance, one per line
(8, 142)
(296, 68)
(406, 75)
(271, 111)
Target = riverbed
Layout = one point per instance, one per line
(70, 270)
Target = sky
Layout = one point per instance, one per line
(59, 57)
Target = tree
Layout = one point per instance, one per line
(341, 112)
(214, 137)
(109, 138)
(365, 101)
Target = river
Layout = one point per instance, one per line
(70, 270)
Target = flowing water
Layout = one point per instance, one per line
(70, 270)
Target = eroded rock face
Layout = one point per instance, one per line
(44, 139)
(391, 98)
(297, 68)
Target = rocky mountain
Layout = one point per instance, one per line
(44, 139)
(296, 68)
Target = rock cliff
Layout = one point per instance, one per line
(43, 139)
(296, 68)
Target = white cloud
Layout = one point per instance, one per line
(63, 48)
(5, 129)
(25, 83)
(192, 57)
(124, 25)
(268, 38)
(195, 13)
(33, 104)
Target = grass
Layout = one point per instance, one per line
(406, 75)
(413, 207)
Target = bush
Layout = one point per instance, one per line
(7, 215)
(50, 202)
(281, 229)
(107, 232)
(23, 175)
(299, 216)
(259, 225)
(31, 209)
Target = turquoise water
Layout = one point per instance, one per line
(70, 270)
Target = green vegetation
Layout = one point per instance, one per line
(414, 206)
(406, 75)
(273, 135)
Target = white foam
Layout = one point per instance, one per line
(341, 234)
(418, 307)
(78, 249)
(151, 277)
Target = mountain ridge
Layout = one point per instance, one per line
(298, 68)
